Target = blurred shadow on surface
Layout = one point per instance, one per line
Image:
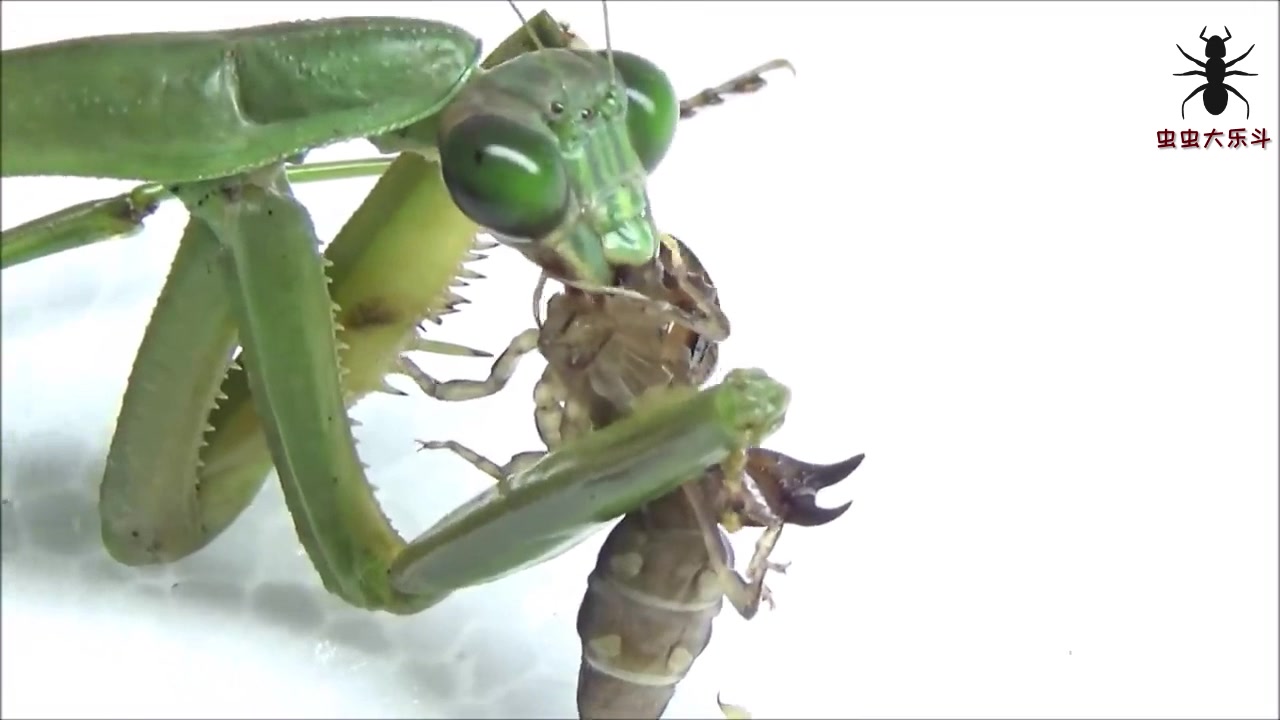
(480, 653)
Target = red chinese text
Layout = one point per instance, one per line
(1236, 138)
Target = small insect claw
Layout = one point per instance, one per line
(390, 389)
(766, 596)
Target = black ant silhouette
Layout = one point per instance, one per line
(1215, 71)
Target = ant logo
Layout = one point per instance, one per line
(1215, 71)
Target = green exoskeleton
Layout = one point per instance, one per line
(665, 569)
(541, 144)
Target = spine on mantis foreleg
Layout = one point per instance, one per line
(278, 290)
(196, 105)
(150, 504)
(391, 266)
(395, 263)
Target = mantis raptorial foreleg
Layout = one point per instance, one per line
(209, 118)
(171, 485)
(555, 502)
(290, 350)
(178, 472)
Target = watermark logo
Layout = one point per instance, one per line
(1215, 71)
(1215, 74)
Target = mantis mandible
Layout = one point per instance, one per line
(544, 145)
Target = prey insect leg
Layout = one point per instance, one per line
(548, 397)
(501, 474)
(548, 408)
(745, 594)
(459, 390)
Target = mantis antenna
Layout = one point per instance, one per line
(608, 42)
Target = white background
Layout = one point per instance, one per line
(951, 234)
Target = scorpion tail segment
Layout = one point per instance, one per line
(275, 279)
(790, 486)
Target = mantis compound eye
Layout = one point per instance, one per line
(505, 176)
(652, 107)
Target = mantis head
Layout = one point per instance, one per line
(551, 151)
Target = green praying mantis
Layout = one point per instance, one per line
(544, 145)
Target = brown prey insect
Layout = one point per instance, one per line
(665, 569)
